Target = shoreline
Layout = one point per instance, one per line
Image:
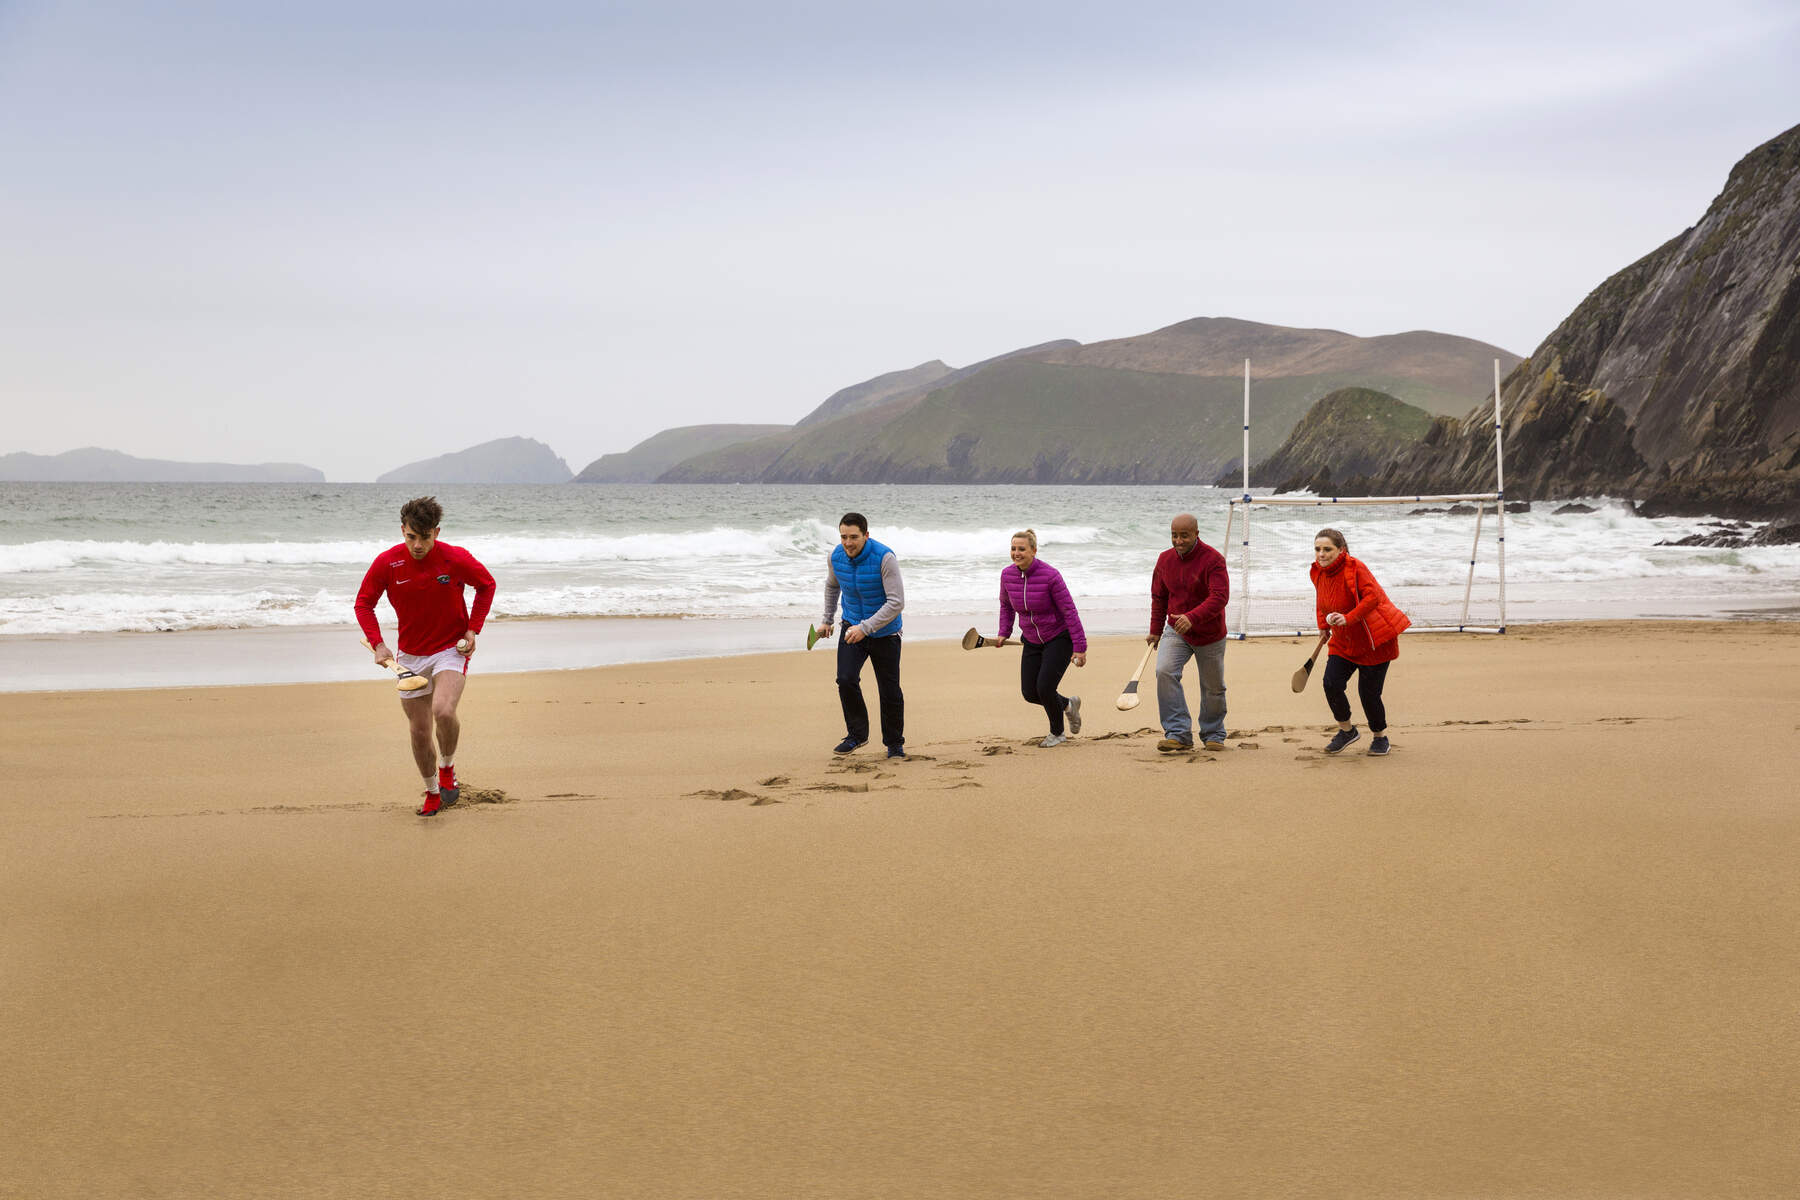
(271, 655)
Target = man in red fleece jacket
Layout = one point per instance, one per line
(1188, 591)
(424, 580)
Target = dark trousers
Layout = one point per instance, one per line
(1041, 668)
(1368, 689)
(884, 652)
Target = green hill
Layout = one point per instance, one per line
(654, 455)
(1165, 407)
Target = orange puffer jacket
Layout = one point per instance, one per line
(1374, 623)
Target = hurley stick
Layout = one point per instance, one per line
(1305, 670)
(1128, 699)
(404, 679)
(972, 640)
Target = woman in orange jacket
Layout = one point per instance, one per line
(1365, 637)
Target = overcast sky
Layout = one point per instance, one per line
(355, 235)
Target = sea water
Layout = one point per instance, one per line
(712, 569)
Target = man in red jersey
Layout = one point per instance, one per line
(424, 580)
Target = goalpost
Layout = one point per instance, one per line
(1433, 607)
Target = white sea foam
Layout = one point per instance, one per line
(197, 562)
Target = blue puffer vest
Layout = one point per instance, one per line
(859, 579)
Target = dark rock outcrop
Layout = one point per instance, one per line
(1350, 433)
(1676, 381)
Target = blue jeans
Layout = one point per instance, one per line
(1172, 655)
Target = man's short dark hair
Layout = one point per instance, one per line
(422, 514)
(856, 519)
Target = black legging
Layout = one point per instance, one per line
(1041, 668)
(1368, 689)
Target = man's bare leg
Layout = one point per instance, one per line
(446, 691)
(418, 725)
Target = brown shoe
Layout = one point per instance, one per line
(1215, 745)
(1172, 746)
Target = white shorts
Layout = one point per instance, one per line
(429, 665)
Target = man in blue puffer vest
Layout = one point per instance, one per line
(866, 575)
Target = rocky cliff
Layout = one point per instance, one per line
(1677, 381)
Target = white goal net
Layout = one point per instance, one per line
(1431, 564)
(1441, 559)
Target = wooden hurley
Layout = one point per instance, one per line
(1305, 670)
(404, 679)
(973, 640)
(1128, 699)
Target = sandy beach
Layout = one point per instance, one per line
(1546, 948)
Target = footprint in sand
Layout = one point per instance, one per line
(838, 787)
(732, 795)
(849, 767)
(990, 751)
(954, 764)
(480, 795)
(775, 781)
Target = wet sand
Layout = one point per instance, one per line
(1545, 948)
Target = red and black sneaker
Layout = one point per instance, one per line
(431, 806)
(447, 779)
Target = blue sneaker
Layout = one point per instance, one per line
(1344, 738)
(896, 751)
(847, 745)
(1379, 745)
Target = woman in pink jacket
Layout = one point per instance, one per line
(1033, 592)
(1365, 637)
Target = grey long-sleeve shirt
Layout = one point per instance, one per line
(890, 585)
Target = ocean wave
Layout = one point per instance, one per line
(787, 541)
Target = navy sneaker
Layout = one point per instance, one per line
(896, 751)
(847, 745)
(1344, 738)
(1379, 745)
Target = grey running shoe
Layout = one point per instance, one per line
(1379, 745)
(1344, 738)
(1055, 739)
(1073, 710)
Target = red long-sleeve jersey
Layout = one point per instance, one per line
(427, 595)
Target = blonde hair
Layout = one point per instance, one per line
(1030, 538)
